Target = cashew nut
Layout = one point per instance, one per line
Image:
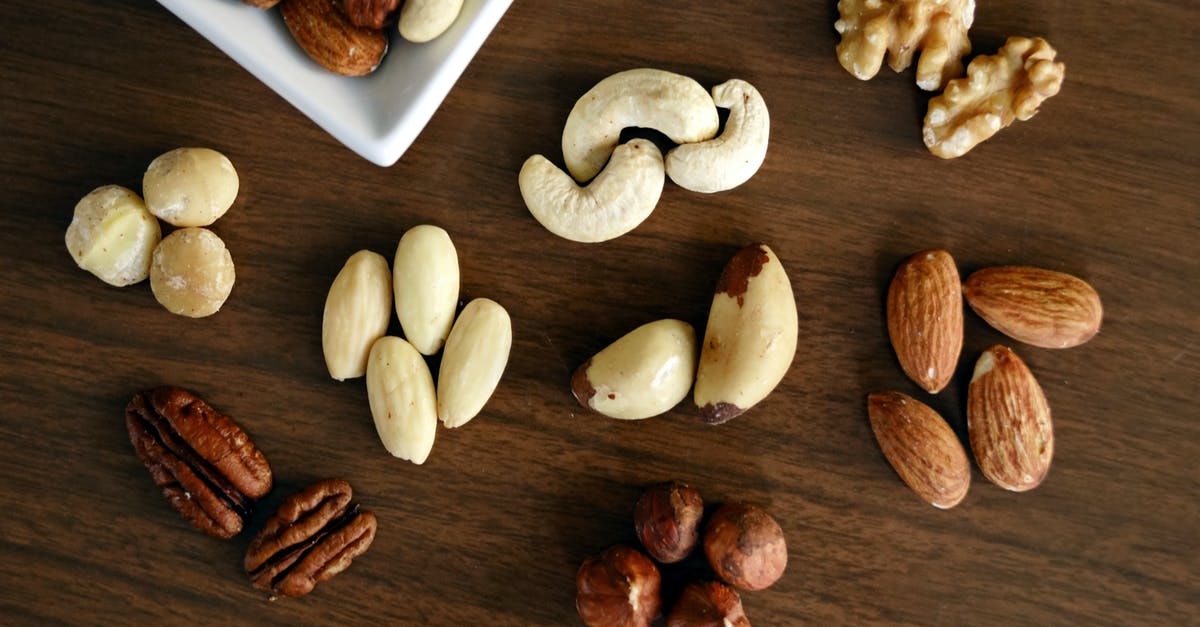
(423, 20)
(724, 162)
(673, 104)
(620, 198)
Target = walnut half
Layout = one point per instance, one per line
(998, 89)
(938, 28)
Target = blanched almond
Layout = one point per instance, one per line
(357, 311)
(425, 278)
(475, 357)
(403, 402)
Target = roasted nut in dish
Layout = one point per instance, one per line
(750, 339)
(327, 35)
(206, 466)
(424, 20)
(357, 311)
(998, 89)
(112, 235)
(645, 373)
(730, 159)
(621, 586)
(901, 28)
(370, 13)
(314, 535)
(190, 186)
(191, 273)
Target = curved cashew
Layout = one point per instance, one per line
(671, 103)
(620, 198)
(423, 20)
(727, 161)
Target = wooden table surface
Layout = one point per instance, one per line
(1103, 183)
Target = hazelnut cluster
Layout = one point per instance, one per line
(742, 543)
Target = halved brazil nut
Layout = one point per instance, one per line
(425, 278)
(724, 162)
(671, 103)
(645, 373)
(618, 200)
(402, 398)
(357, 311)
(751, 335)
(473, 361)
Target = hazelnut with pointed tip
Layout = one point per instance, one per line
(621, 586)
(708, 604)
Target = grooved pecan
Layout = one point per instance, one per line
(370, 13)
(314, 535)
(205, 464)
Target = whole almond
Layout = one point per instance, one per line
(425, 278)
(1040, 307)
(1008, 421)
(357, 311)
(325, 33)
(925, 318)
(473, 362)
(750, 339)
(643, 374)
(403, 402)
(921, 447)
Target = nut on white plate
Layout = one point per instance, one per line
(191, 272)
(925, 318)
(424, 20)
(426, 282)
(1008, 420)
(190, 186)
(357, 311)
(402, 398)
(673, 104)
(921, 447)
(643, 374)
(614, 203)
(113, 235)
(997, 90)
(750, 339)
(473, 362)
(730, 159)
(1040, 307)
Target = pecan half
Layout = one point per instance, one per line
(313, 536)
(205, 464)
(370, 13)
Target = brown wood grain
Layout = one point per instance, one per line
(1103, 184)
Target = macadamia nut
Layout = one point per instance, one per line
(190, 186)
(192, 273)
(112, 235)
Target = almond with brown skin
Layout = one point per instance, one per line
(925, 319)
(1008, 420)
(324, 31)
(1035, 306)
(921, 447)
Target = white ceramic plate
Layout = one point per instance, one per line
(379, 115)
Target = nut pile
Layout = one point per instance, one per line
(627, 180)
(1008, 418)
(748, 347)
(997, 90)
(347, 37)
(743, 545)
(115, 235)
(211, 472)
(424, 283)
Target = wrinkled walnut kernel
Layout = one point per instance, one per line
(998, 89)
(937, 28)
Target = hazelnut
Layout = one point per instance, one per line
(621, 586)
(667, 520)
(745, 546)
(708, 604)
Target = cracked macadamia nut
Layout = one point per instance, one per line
(901, 28)
(621, 586)
(190, 186)
(997, 90)
(191, 273)
(745, 546)
(112, 235)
